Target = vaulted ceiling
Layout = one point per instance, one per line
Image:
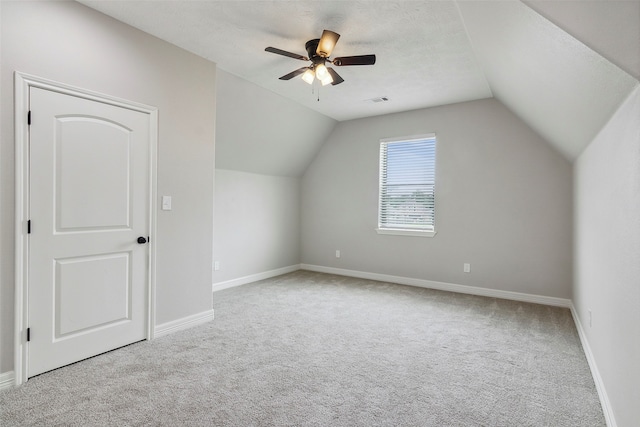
(559, 67)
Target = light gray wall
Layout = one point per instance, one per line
(257, 223)
(264, 142)
(503, 196)
(607, 256)
(70, 43)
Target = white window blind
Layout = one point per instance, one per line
(407, 184)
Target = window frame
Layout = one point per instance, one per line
(426, 232)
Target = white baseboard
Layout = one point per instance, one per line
(443, 286)
(254, 277)
(184, 323)
(595, 373)
(7, 380)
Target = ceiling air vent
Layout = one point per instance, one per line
(379, 99)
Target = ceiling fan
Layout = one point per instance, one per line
(319, 51)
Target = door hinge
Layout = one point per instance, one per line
(28, 334)
(29, 227)
(29, 118)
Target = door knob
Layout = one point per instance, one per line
(142, 240)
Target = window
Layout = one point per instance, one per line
(407, 186)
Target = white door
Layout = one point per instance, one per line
(89, 204)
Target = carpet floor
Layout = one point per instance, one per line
(312, 349)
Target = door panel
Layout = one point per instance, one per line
(75, 296)
(92, 165)
(89, 202)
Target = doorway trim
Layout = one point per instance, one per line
(22, 83)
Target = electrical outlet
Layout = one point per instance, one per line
(216, 265)
(466, 268)
(337, 253)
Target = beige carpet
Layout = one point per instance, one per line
(310, 349)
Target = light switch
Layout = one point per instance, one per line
(166, 203)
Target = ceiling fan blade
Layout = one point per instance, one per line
(335, 76)
(285, 53)
(327, 43)
(294, 73)
(355, 60)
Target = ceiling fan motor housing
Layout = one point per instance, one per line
(311, 46)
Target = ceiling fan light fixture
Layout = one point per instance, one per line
(327, 80)
(319, 51)
(308, 76)
(327, 43)
(322, 72)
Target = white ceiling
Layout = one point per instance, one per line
(611, 28)
(558, 85)
(281, 137)
(424, 57)
(429, 53)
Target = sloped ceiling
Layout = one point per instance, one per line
(611, 28)
(428, 53)
(260, 132)
(559, 86)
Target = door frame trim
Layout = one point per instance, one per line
(22, 83)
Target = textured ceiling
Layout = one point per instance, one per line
(429, 53)
(424, 57)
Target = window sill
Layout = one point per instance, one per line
(400, 232)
